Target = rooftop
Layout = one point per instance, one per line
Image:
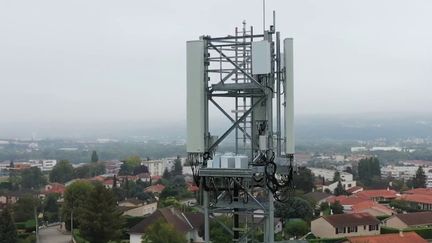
(354, 219)
(345, 200)
(181, 222)
(385, 193)
(422, 191)
(317, 196)
(418, 198)
(413, 219)
(406, 237)
(359, 207)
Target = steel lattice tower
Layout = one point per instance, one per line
(245, 74)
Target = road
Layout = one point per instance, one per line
(52, 235)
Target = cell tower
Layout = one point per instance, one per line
(247, 75)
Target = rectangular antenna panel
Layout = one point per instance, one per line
(261, 58)
(289, 96)
(195, 96)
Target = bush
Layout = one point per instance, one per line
(78, 238)
(29, 238)
(297, 227)
(388, 230)
(425, 233)
(27, 226)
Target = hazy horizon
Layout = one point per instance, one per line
(325, 125)
(93, 62)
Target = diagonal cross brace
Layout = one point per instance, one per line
(236, 66)
(235, 70)
(213, 146)
(229, 117)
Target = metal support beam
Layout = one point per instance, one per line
(229, 117)
(237, 66)
(235, 124)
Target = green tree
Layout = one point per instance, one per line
(303, 180)
(219, 234)
(90, 170)
(336, 176)
(340, 190)
(419, 180)
(161, 231)
(62, 172)
(94, 157)
(369, 171)
(336, 208)
(51, 208)
(24, 208)
(296, 228)
(128, 166)
(100, 220)
(74, 197)
(166, 175)
(178, 168)
(8, 232)
(32, 178)
(294, 208)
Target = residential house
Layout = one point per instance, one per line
(137, 208)
(113, 167)
(373, 208)
(347, 201)
(345, 225)
(54, 188)
(185, 223)
(155, 167)
(419, 201)
(409, 220)
(346, 180)
(378, 195)
(402, 237)
(421, 191)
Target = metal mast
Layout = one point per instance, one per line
(241, 74)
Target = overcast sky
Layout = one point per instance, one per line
(124, 60)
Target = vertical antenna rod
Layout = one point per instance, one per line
(264, 26)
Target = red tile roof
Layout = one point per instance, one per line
(418, 198)
(388, 194)
(406, 237)
(360, 207)
(345, 200)
(422, 191)
(354, 219)
(355, 189)
(55, 188)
